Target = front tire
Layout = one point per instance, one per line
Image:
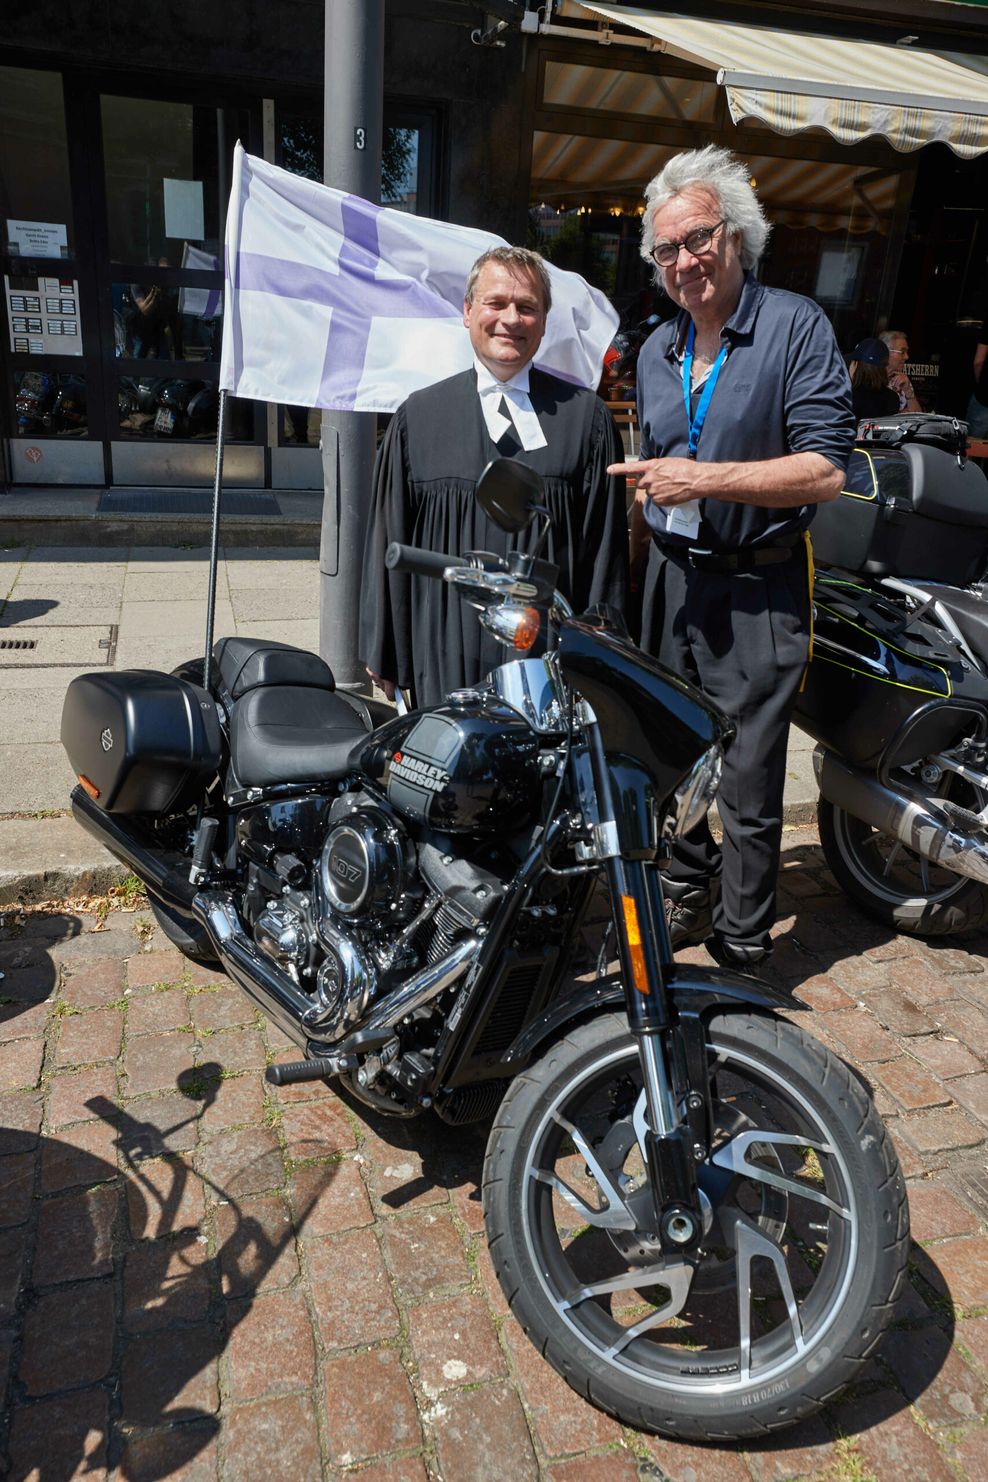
(805, 1217)
(892, 884)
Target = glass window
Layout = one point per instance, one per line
(178, 409)
(402, 158)
(49, 404)
(167, 178)
(34, 165)
(158, 321)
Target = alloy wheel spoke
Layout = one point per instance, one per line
(750, 1242)
(891, 858)
(658, 1275)
(615, 1215)
(734, 1155)
(678, 1279)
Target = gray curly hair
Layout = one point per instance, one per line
(721, 172)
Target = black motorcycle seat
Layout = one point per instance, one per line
(294, 733)
(249, 663)
(969, 612)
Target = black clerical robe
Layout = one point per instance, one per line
(418, 631)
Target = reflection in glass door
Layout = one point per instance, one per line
(166, 174)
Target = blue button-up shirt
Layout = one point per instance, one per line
(783, 389)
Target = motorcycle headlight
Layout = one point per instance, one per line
(694, 794)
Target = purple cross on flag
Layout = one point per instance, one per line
(334, 302)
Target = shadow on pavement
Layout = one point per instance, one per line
(14, 611)
(28, 976)
(112, 1330)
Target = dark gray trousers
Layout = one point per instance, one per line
(742, 638)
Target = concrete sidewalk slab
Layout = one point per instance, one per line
(50, 858)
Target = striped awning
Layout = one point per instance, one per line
(574, 170)
(852, 89)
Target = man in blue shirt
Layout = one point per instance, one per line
(744, 405)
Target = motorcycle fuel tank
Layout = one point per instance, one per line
(470, 766)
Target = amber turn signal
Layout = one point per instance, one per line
(89, 787)
(528, 628)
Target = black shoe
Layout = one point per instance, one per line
(689, 913)
(737, 956)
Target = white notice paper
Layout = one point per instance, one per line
(37, 238)
(184, 214)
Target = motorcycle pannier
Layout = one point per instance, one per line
(146, 742)
(909, 511)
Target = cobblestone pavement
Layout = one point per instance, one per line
(202, 1277)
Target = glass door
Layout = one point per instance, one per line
(51, 409)
(166, 184)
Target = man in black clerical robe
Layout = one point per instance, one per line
(416, 632)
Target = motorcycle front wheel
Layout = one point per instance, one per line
(805, 1220)
(892, 884)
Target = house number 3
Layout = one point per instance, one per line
(360, 138)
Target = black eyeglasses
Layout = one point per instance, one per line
(696, 243)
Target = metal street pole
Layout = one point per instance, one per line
(352, 113)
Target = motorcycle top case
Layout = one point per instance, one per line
(147, 742)
(909, 511)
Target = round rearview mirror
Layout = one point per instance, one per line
(511, 493)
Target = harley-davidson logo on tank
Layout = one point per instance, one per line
(468, 767)
(425, 774)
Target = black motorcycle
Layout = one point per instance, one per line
(896, 693)
(692, 1206)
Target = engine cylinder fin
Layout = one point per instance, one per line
(471, 1103)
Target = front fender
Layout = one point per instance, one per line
(696, 991)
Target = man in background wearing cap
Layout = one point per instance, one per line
(871, 394)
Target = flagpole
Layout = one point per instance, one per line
(214, 546)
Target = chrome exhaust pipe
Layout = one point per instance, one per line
(426, 985)
(281, 999)
(274, 992)
(923, 825)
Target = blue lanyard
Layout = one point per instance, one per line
(695, 424)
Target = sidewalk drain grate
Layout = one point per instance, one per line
(55, 646)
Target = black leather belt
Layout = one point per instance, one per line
(738, 561)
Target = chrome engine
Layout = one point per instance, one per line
(285, 933)
(353, 925)
(367, 865)
(369, 911)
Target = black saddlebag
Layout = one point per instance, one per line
(909, 511)
(139, 741)
(882, 687)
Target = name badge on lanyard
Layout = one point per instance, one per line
(684, 519)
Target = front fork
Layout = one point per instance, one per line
(675, 1137)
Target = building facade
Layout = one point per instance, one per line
(117, 125)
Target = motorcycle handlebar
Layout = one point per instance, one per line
(418, 561)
